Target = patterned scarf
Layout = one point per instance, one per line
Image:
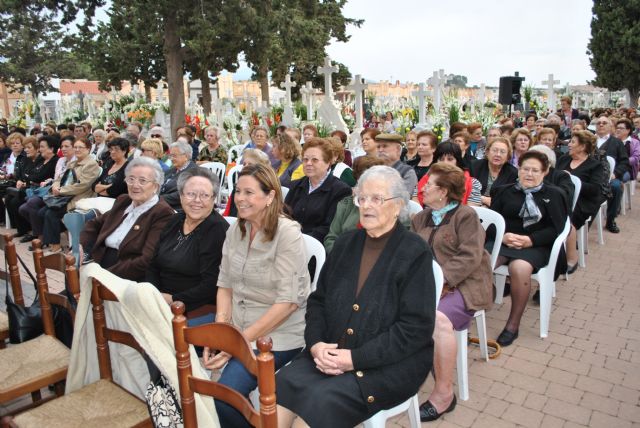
(530, 213)
(438, 215)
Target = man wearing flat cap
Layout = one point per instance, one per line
(389, 150)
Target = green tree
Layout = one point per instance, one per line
(614, 48)
(457, 80)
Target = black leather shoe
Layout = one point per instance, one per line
(27, 238)
(507, 337)
(613, 227)
(572, 269)
(429, 413)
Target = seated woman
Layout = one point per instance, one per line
(521, 141)
(249, 157)
(312, 200)
(153, 148)
(74, 184)
(631, 144)
(579, 162)
(39, 177)
(268, 296)
(100, 151)
(343, 137)
(368, 141)
(180, 153)
(369, 324)
(8, 164)
(260, 141)
(213, 151)
(187, 258)
(15, 194)
(451, 154)
(111, 183)
(534, 215)
(427, 143)
(124, 239)
(548, 137)
(287, 151)
(463, 140)
(410, 152)
(309, 131)
(494, 170)
(347, 214)
(339, 169)
(477, 143)
(468, 275)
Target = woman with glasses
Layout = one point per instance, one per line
(153, 148)
(180, 154)
(369, 324)
(494, 170)
(187, 259)
(124, 239)
(111, 182)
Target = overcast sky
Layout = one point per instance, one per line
(407, 40)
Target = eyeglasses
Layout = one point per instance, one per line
(140, 180)
(374, 201)
(191, 196)
(156, 136)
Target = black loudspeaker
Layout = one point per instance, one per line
(504, 94)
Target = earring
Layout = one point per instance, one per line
(440, 200)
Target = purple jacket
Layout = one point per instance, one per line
(633, 149)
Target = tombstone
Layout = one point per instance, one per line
(307, 92)
(421, 94)
(287, 116)
(328, 113)
(217, 108)
(551, 95)
(135, 92)
(482, 95)
(358, 87)
(437, 82)
(90, 107)
(263, 111)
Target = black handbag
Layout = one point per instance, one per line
(162, 400)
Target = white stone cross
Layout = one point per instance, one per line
(358, 86)
(308, 92)
(421, 94)
(217, 107)
(287, 114)
(287, 85)
(437, 81)
(159, 95)
(263, 109)
(482, 96)
(551, 102)
(327, 69)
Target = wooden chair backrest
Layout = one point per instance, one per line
(47, 298)
(11, 255)
(227, 338)
(104, 334)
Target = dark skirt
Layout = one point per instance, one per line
(538, 257)
(579, 217)
(320, 400)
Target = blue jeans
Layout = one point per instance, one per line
(613, 203)
(237, 377)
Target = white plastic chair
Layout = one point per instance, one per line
(218, 168)
(414, 207)
(285, 191)
(235, 152)
(547, 285)
(412, 406)
(628, 191)
(232, 178)
(314, 248)
(581, 233)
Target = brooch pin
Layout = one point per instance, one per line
(136, 227)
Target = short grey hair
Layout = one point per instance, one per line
(198, 172)
(158, 174)
(100, 132)
(183, 147)
(547, 151)
(217, 129)
(397, 189)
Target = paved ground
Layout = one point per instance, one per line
(586, 373)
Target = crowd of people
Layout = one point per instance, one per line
(366, 338)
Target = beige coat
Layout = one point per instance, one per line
(87, 171)
(458, 246)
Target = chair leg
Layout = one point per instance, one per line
(599, 221)
(546, 291)
(7, 221)
(581, 248)
(499, 281)
(481, 324)
(414, 412)
(623, 206)
(461, 363)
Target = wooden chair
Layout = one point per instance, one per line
(102, 403)
(30, 366)
(58, 262)
(13, 276)
(227, 338)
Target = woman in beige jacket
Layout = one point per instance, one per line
(74, 183)
(456, 237)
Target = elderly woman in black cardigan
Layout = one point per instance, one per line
(312, 200)
(370, 321)
(494, 170)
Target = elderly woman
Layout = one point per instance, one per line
(186, 135)
(67, 154)
(450, 153)
(260, 141)
(312, 200)
(494, 170)
(631, 144)
(123, 240)
(427, 143)
(369, 324)
(309, 131)
(579, 163)
(287, 151)
(153, 148)
(534, 214)
(368, 141)
(180, 153)
(213, 151)
(111, 182)
(347, 214)
(477, 143)
(343, 137)
(100, 152)
(268, 296)
(29, 181)
(463, 140)
(187, 258)
(8, 164)
(410, 152)
(458, 246)
(548, 137)
(521, 141)
(339, 168)
(73, 185)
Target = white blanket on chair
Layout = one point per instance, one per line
(142, 312)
